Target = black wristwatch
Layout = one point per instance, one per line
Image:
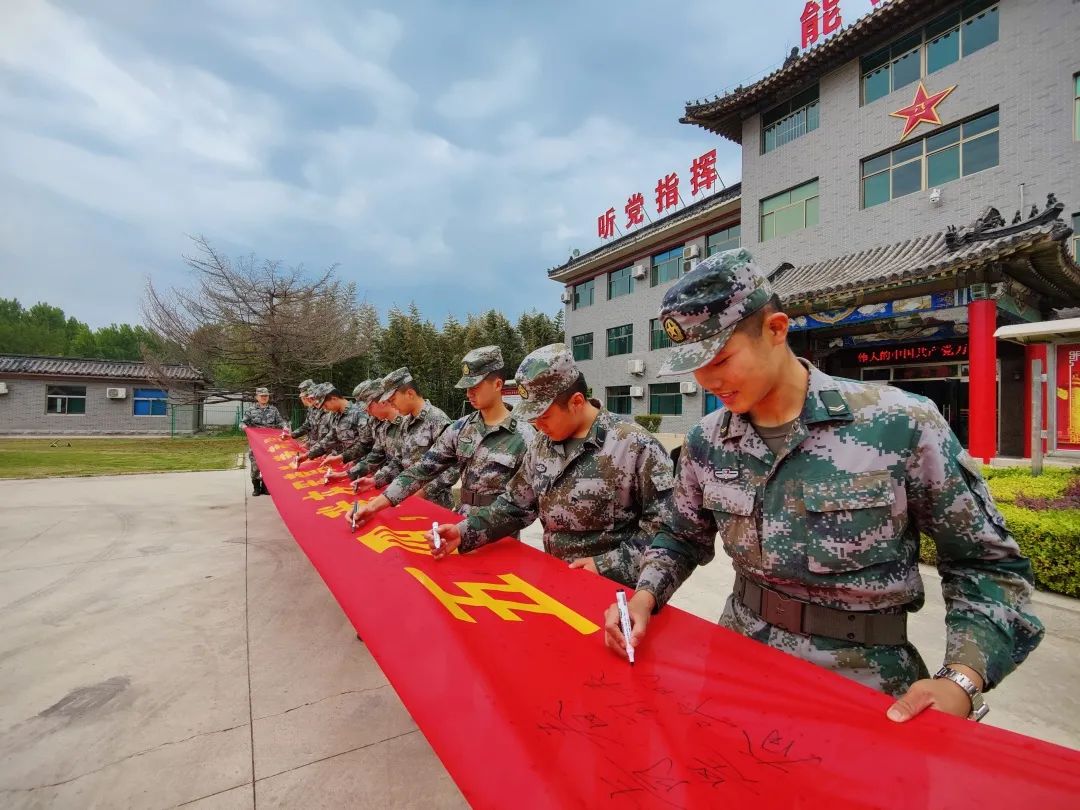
(979, 709)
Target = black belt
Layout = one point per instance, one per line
(798, 616)
(476, 499)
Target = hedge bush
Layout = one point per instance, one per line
(1049, 534)
(649, 421)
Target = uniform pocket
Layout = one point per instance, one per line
(585, 504)
(850, 523)
(732, 506)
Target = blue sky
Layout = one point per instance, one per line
(444, 152)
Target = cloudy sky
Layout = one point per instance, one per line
(445, 152)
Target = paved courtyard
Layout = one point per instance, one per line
(165, 643)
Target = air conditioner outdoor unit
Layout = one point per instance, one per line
(691, 252)
(3, 387)
(636, 366)
(637, 391)
(640, 271)
(687, 387)
(567, 296)
(116, 393)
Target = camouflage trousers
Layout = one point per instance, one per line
(888, 669)
(256, 476)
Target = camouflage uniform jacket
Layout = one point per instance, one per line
(834, 519)
(365, 438)
(345, 430)
(605, 500)
(416, 435)
(485, 455)
(310, 421)
(386, 443)
(263, 417)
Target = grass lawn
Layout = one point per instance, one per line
(34, 458)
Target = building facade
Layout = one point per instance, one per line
(56, 396)
(612, 297)
(912, 183)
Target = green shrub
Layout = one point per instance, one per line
(649, 421)
(1006, 483)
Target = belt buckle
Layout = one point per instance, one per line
(782, 611)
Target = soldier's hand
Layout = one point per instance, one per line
(640, 607)
(334, 476)
(584, 562)
(935, 693)
(364, 482)
(450, 535)
(371, 508)
(331, 460)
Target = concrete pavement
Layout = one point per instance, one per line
(165, 643)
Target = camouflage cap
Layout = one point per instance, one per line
(393, 381)
(321, 392)
(541, 377)
(477, 364)
(367, 390)
(700, 312)
(305, 386)
(262, 392)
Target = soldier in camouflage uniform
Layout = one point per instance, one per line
(346, 425)
(362, 444)
(819, 487)
(261, 414)
(486, 446)
(385, 437)
(313, 414)
(599, 485)
(419, 426)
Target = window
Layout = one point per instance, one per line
(960, 32)
(712, 402)
(1076, 107)
(620, 282)
(618, 399)
(658, 338)
(950, 153)
(726, 239)
(582, 346)
(1076, 236)
(583, 294)
(791, 211)
(664, 398)
(65, 399)
(786, 122)
(666, 266)
(620, 340)
(149, 402)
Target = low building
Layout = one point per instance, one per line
(55, 396)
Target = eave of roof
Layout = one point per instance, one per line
(725, 114)
(40, 366)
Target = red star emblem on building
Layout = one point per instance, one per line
(922, 110)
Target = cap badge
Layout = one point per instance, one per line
(674, 331)
(465, 369)
(523, 392)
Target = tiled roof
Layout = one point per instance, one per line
(651, 230)
(724, 114)
(1033, 251)
(77, 367)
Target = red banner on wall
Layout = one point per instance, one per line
(498, 655)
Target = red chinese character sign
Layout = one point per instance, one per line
(923, 110)
(818, 20)
(703, 172)
(667, 192)
(635, 210)
(605, 224)
(1067, 396)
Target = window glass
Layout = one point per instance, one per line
(943, 166)
(583, 294)
(979, 31)
(664, 398)
(620, 282)
(582, 346)
(905, 153)
(943, 51)
(876, 189)
(981, 153)
(907, 179)
(981, 124)
(658, 338)
(618, 399)
(666, 266)
(620, 340)
(942, 139)
(727, 239)
(906, 70)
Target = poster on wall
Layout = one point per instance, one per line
(1068, 396)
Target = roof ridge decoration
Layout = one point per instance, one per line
(991, 225)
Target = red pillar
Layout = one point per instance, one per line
(982, 380)
(1033, 351)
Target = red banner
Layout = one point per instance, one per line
(498, 655)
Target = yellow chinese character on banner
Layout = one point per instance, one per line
(380, 538)
(302, 473)
(306, 484)
(335, 510)
(281, 456)
(478, 594)
(329, 493)
(275, 447)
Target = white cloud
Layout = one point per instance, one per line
(508, 87)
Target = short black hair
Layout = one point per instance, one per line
(752, 323)
(497, 374)
(579, 386)
(411, 386)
